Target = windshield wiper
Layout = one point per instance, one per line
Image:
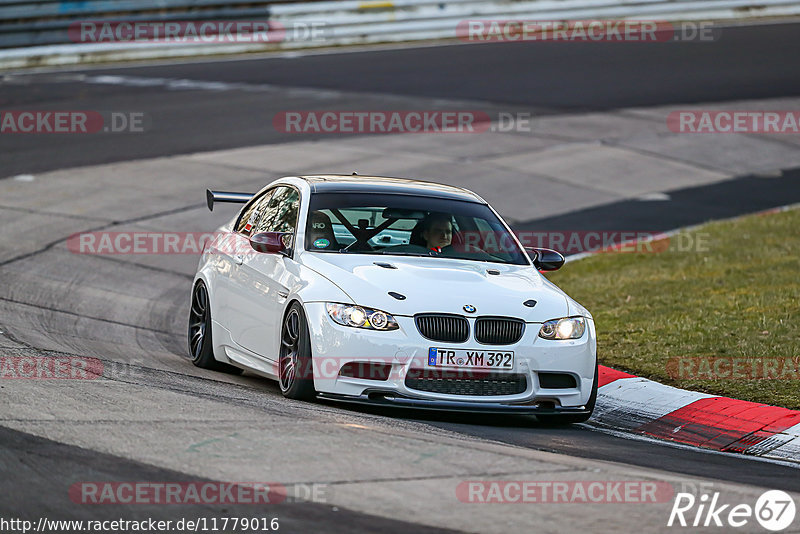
(420, 254)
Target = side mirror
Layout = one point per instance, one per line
(546, 259)
(271, 242)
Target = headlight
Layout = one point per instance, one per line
(566, 328)
(360, 317)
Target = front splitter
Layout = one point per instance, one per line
(380, 398)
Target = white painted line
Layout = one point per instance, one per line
(654, 197)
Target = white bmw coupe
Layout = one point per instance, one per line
(394, 292)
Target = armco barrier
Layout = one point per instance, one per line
(44, 22)
(36, 32)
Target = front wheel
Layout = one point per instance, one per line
(295, 372)
(569, 419)
(201, 347)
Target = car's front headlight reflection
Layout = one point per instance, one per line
(566, 328)
(360, 317)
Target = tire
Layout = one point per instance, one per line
(295, 371)
(201, 346)
(569, 419)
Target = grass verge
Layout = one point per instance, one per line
(721, 317)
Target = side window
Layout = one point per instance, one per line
(279, 214)
(252, 214)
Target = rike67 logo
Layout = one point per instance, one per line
(774, 510)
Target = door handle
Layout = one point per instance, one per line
(238, 259)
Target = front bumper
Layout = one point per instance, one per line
(333, 346)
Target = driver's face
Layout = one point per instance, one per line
(440, 234)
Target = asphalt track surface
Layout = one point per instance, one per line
(42, 467)
(558, 78)
(744, 62)
(686, 207)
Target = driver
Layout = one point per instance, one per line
(437, 231)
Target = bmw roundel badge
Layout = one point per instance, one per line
(469, 308)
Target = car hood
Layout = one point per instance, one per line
(441, 285)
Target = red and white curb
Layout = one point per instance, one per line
(636, 405)
(641, 406)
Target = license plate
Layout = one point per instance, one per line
(470, 359)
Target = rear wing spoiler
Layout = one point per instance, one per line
(225, 196)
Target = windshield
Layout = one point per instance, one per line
(406, 225)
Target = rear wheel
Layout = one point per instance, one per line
(568, 419)
(295, 373)
(201, 347)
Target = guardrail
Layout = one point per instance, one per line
(351, 22)
(43, 22)
(38, 31)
